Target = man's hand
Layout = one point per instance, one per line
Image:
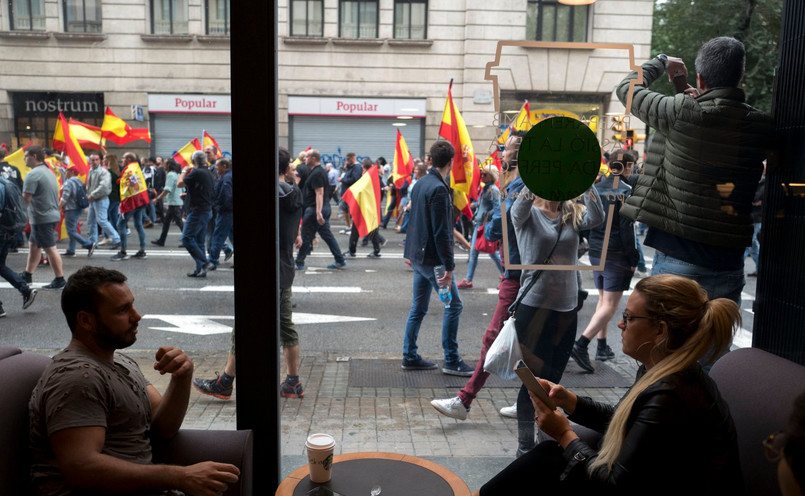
(320, 218)
(298, 242)
(447, 279)
(90, 199)
(208, 478)
(170, 360)
(676, 67)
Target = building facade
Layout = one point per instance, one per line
(352, 72)
(160, 64)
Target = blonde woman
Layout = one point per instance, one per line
(546, 316)
(671, 434)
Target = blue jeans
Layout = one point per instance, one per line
(474, 257)
(223, 230)
(754, 248)
(71, 224)
(641, 263)
(98, 213)
(114, 213)
(717, 283)
(6, 243)
(193, 233)
(424, 282)
(137, 213)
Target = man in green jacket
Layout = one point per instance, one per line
(702, 167)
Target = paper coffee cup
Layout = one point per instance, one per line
(320, 448)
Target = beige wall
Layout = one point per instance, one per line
(462, 38)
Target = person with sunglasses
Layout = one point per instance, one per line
(788, 449)
(671, 434)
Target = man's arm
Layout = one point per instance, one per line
(27, 197)
(655, 109)
(167, 412)
(84, 466)
(180, 182)
(319, 204)
(441, 220)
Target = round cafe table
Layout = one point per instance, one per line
(355, 474)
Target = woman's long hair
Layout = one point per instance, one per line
(573, 213)
(696, 326)
(111, 162)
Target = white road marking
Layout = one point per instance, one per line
(315, 318)
(742, 339)
(231, 289)
(205, 325)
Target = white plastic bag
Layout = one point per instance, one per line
(504, 352)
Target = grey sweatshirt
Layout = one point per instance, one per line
(536, 234)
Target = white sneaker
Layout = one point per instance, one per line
(451, 407)
(509, 411)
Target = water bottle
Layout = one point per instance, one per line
(444, 291)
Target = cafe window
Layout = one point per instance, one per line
(358, 19)
(82, 16)
(169, 17)
(218, 17)
(26, 15)
(410, 19)
(307, 18)
(548, 20)
(39, 130)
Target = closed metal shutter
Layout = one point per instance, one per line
(369, 137)
(173, 131)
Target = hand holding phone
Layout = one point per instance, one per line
(532, 384)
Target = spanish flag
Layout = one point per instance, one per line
(363, 199)
(522, 122)
(133, 191)
(89, 137)
(70, 145)
(403, 162)
(183, 154)
(454, 130)
(117, 131)
(462, 202)
(17, 159)
(55, 165)
(208, 140)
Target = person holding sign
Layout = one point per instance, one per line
(672, 421)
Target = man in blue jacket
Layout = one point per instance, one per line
(223, 207)
(429, 244)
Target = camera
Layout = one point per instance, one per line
(616, 167)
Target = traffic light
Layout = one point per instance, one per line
(618, 123)
(630, 139)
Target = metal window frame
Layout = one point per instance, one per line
(359, 2)
(170, 15)
(83, 18)
(30, 14)
(394, 26)
(571, 24)
(227, 16)
(307, 18)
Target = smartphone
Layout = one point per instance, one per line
(531, 382)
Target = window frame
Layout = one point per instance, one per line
(30, 3)
(227, 18)
(394, 26)
(538, 36)
(307, 20)
(65, 10)
(170, 14)
(359, 2)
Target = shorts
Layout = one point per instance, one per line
(288, 335)
(616, 276)
(44, 235)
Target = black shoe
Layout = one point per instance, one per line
(459, 368)
(28, 298)
(213, 387)
(604, 354)
(90, 249)
(208, 267)
(157, 242)
(68, 254)
(25, 276)
(56, 283)
(582, 358)
(373, 255)
(140, 255)
(228, 252)
(199, 273)
(348, 254)
(121, 255)
(418, 364)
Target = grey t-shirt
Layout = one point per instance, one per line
(79, 390)
(536, 234)
(42, 185)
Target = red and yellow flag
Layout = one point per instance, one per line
(55, 165)
(363, 199)
(70, 145)
(462, 202)
(208, 140)
(17, 159)
(89, 137)
(454, 130)
(117, 131)
(183, 154)
(522, 122)
(133, 190)
(403, 162)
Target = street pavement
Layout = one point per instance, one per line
(354, 313)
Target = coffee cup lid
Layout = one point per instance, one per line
(320, 440)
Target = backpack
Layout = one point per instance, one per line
(80, 195)
(14, 214)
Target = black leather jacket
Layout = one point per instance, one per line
(680, 439)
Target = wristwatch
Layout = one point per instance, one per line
(664, 59)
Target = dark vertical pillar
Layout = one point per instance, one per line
(780, 301)
(254, 141)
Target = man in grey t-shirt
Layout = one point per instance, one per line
(93, 414)
(41, 193)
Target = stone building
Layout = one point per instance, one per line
(166, 60)
(351, 72)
